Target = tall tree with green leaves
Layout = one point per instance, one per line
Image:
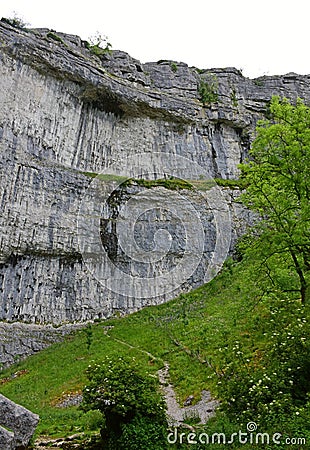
(277, 180)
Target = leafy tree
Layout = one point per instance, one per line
(129, 399)
(277, 180)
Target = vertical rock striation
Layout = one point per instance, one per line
(67, 115)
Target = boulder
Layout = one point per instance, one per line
(6, 439)
(19, 420)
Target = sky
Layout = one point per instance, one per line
(265, 37)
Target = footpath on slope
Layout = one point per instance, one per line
(177, 415)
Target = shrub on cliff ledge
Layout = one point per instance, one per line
(208, 90)
(15, 22)
(99, 44)
(129, 399)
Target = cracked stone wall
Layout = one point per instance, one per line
(67, 115)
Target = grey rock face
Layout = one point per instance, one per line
(19, 340)
(6, 439)
(67, 115)
(19, 420)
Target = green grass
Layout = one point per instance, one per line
(105, 177)
(187, 332)
(191, 333)
(169, 183)
(232, 184)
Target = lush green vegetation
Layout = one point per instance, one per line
(277, 187)
(200, 334)
(244, 336)
(230, 183)
(185, 332)
(128, 396)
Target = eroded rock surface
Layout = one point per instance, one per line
(67, 115)
(20, 421)
(19, 340)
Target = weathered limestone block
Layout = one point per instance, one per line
(19, 340)
(6, 439)
(20, 420)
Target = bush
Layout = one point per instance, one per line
(271, 386)
(99, 44)
(208, 90)
(143, 433)
(129, 399)
(15, 22)
(92, 420)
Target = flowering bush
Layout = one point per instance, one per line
(271, 384)
(129, 399)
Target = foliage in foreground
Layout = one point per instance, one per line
(196, 333)
(271, 384)
(129, 399)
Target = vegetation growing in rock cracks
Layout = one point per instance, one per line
(174, 67)
(55, 37)
(208, 90)
(15, 21)
(277, 180)
(171, 183)
(99, 44)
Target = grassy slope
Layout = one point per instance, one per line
(187, 332)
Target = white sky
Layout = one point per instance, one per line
(260, 37)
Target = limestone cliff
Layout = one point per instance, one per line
(68, 114)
